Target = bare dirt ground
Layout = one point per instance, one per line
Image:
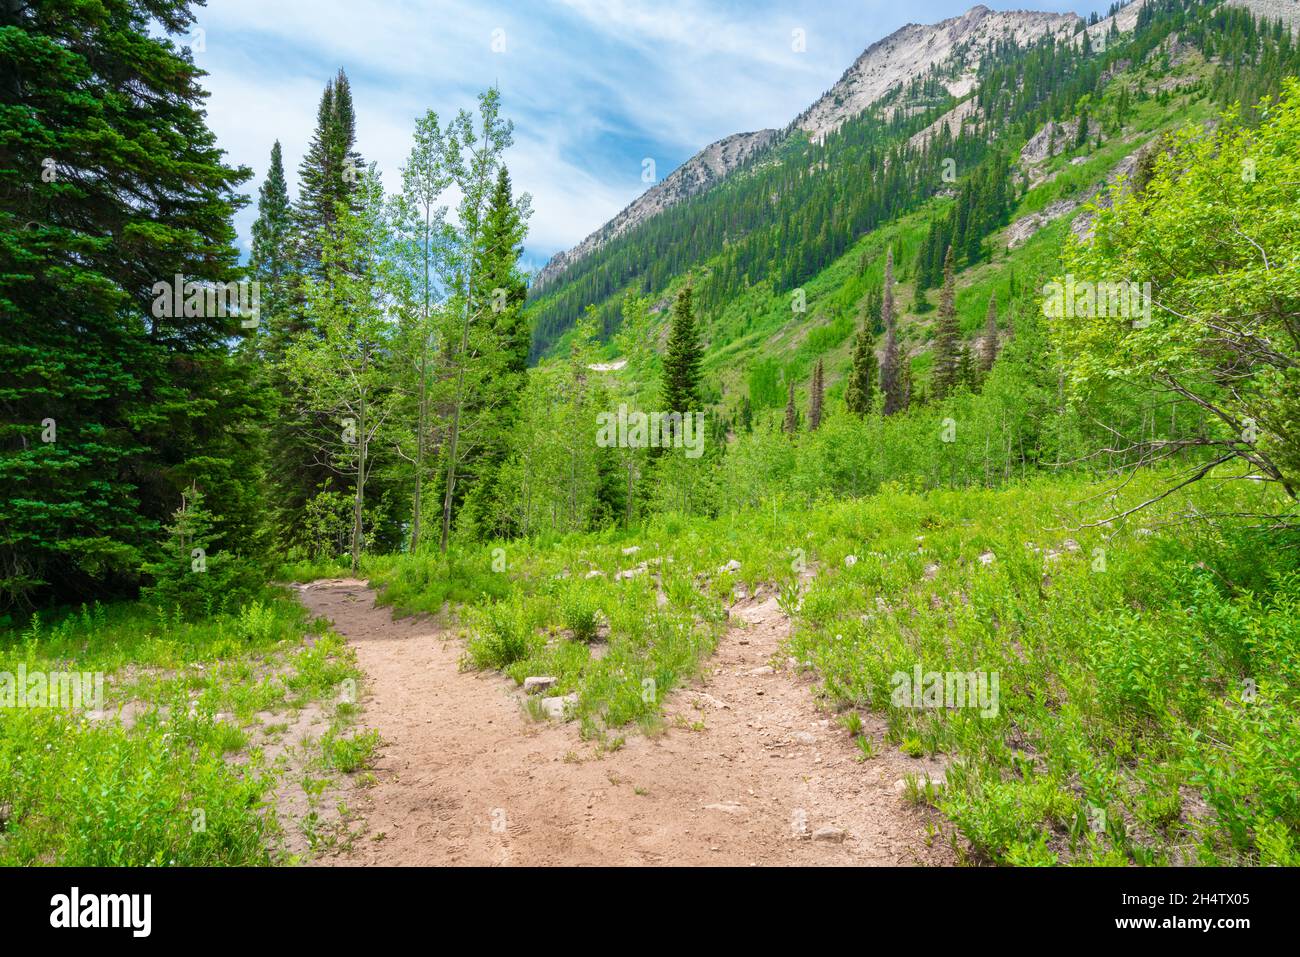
(750, 774)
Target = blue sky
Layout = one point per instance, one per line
(593, 86)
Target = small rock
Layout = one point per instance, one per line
(850, 561)
(537, 683)
(987, 558)
(559, 707)
(765, 670)
(631, 549)
(730, 807)
(594, 573)
(834, 835)
(731, 566)
(711, 701)
(805, 737)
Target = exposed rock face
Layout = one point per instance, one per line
(1051, 140)
(953, 119)
(911, 51)
(1288, 11)
(696, 175)
(1022, 229)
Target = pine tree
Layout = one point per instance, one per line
(271, 256)
(328, 173)
(108, 408)
(859, 391)
(890, 373)
(947, 337)
(816, 397)
(500, 282)
(989, 345)
(791, 425)
(328, 178)
(681, 370)
(505, 351)
(967, 376)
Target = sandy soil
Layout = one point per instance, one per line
(465, 776)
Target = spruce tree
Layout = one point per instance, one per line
(947, 337)
(504, 350)
(271, 255)
(328, 173)
(681, 370)
(967, 375)
(111, 183)
(501, 284)
(859, 391)
(791, 425)
(816, 397)
(328, 178)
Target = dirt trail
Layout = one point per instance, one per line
(466, 777)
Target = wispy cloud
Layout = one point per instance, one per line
(593, 86)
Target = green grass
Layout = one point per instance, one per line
(1148, 684)
(1147, 675)
(186, 783)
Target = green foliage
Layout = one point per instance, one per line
(680, 390)
(192, 578)
(89, 790)
(111, 182)
(1221, 328)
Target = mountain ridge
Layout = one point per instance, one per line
(898, 58)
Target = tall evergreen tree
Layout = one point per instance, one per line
(859, 391)
(111, 403)
(328, 173)
(947, 337)
(271, 258)
(328, 178)
(681, 370)
(504, 350)
(791, 425)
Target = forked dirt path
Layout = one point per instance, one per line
(465, 776)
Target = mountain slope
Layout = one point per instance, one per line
(815, 214)
(903, 57)
(707, 167)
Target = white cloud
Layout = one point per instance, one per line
(592, 85)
